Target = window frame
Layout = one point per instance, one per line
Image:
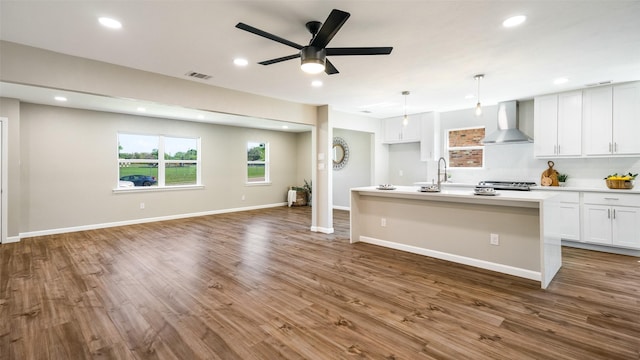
(266, 163)
(161, 163)
(476, 147)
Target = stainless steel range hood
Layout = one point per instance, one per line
(507, 132)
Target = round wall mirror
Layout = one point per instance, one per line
(340, 153)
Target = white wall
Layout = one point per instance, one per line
(405, 167)
(69, 169)
(357, 171)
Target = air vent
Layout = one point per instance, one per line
(198, 75)
(599, 83)
(366, 111)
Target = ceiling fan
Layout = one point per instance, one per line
(314, 55)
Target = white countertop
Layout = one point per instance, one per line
(592, 187)
(502, 197)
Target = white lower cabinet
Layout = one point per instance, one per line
(569, 216)
(612, 219)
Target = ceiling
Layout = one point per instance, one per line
(438, 47)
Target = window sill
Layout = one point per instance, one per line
(141, 189)
(266, 183)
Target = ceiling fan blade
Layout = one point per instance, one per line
(329, 68)
(267, 35)
(334, 22)
(280, 59)
(359, 51)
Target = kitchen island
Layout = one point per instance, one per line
(458, 226)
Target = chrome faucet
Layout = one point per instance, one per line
(445, 171)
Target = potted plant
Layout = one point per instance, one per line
(307, 187)
(562, 179)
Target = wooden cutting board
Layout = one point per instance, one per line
(550, 176)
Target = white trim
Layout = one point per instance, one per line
(322, 230)
(603, 248)
(12, 239)
(4, 185)
(345, 208)
(139, 189)
(505, 269)
(142, 221)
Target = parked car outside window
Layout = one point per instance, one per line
(140, 180)
(125, 184)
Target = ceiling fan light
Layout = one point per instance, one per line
(312, 60)
(312, 67)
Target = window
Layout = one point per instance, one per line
(464, 148)
(257, 162)
(159, 161)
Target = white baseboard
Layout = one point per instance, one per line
(603, 248)
(345, 208)
(505, 269)
(322, 230)
(12, 239)
(142, 221)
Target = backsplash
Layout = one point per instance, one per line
(506, 162)
(516, 162)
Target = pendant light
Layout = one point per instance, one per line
(478, 106)
(405, 120)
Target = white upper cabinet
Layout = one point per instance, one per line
(626, 119)
(395, 132)
(612, 120)
(558, 125)
(430, 138)
(598, 121)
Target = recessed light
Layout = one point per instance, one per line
(110, 23)
(200, 116)
(285, 127)
(141, 109)
(514, 21)
(240, 62)
(469, 96)
(60, 98)
(560, 81)
(316, 83)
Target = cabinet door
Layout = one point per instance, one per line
(393, 130)
(626, 118)
(411, 131)
(626, 226)
(396, 132)
(569, 124)
(545, 125)
(597, 224)
(569, 221)
(598, 121)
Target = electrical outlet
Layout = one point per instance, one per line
(242, 197)
(383, 222)
(401, 173)
(495, 239)
(141, 205)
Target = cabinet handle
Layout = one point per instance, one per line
(608, 213)
(614, 214)
(615, 147)
(610, 148)
(610, 198)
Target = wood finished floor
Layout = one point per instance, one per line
(260, 285)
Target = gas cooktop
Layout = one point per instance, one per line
(507, 185)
